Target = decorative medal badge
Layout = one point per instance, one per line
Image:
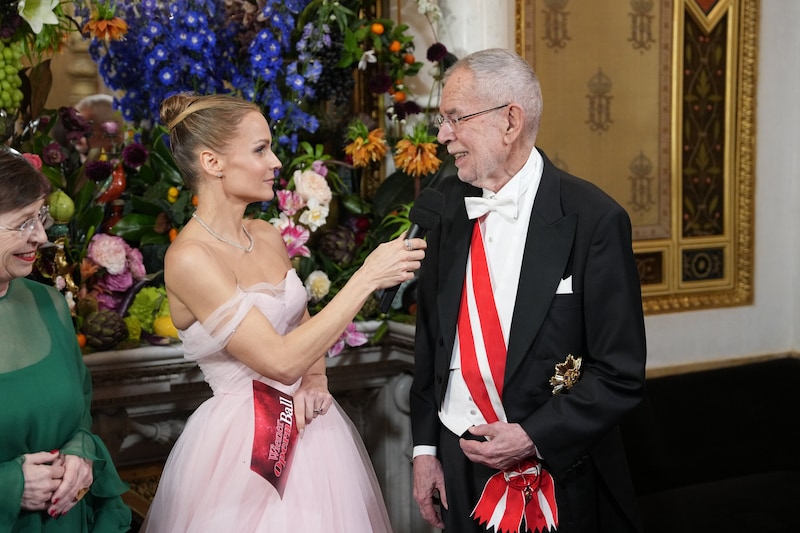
(567, 374)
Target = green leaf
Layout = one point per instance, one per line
(355, 204)
(167, 170)
(55, 176)
(132, 227)
(151, 237)
(143, 206)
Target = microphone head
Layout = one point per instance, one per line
(427, 209)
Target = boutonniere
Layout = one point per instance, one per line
(567, 374)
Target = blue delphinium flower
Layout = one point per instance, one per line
(207, 46)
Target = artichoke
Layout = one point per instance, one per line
(104, 329)
(371, 308)
(339, 244)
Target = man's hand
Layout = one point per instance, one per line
(429, 488)
(507, 445)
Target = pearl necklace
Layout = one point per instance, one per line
(247, 249)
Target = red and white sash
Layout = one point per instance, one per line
(523, 498)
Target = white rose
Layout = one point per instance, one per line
(318, 285)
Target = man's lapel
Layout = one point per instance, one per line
(547, 251)
(453, 261)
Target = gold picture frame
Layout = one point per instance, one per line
(658, 96)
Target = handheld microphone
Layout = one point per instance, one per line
(424, 215)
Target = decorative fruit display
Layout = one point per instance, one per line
(104, 329)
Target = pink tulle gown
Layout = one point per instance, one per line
(207, 485)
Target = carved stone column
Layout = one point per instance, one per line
(471, 25)
(82, 71)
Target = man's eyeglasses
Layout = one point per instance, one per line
(455, 121)
(26, 228)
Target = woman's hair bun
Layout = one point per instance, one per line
(174, 106)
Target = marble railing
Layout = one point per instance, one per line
(142, 398)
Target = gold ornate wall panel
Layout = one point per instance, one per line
(654, 101)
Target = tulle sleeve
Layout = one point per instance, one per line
(201, 340)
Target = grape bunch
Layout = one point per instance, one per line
(334, 83)
(10, 82)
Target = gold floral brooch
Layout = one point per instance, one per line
(567, 374)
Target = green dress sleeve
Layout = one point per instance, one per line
(11, 485)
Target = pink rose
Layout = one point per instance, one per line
(311, 185)
(110, 252)
(34, 160)
(135, 263)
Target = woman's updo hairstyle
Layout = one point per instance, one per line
(198, 122)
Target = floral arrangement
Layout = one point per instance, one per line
(300, 60)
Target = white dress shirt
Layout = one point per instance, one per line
(504, 242)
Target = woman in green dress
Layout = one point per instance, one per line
(55, 475)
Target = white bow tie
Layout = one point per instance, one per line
(478, 206)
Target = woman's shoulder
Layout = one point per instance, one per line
(40, 288)
(261, 228)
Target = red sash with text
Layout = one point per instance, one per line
(523, 498)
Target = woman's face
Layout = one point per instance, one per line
(249, 164)
(17, 253)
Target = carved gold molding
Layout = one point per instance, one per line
(675, 261)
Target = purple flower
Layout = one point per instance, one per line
(116, 282)
(380, 83)
(134, 155)
(108, 301)
(52, 154)
(320, 168)
(110, 128)
(401, 110)
(74, 122)
(98, 171)
(436, 52)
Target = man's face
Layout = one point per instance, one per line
(477, 143)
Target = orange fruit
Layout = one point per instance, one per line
(377, 28)
(399, 96)
(409, 58)
(172, 234)
(81, 339)
(395, 46)
(172, 195)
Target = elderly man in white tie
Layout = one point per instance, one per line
(530, 342)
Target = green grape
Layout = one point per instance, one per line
(10, 82)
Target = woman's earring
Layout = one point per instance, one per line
(219, 174)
